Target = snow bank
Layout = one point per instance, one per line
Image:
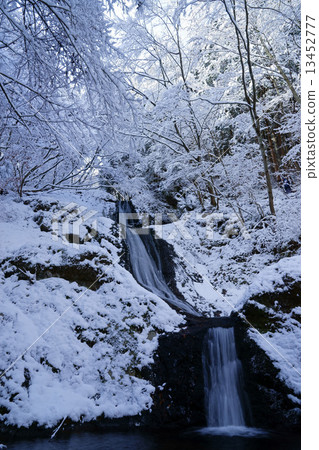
(273, 278)
(221, 274)
(283, 344)
(67, 350)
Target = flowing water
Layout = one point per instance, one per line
(225, 400)
(226, 406)
(223, 380)
(146, 262)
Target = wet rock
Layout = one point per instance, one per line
(177, 374)
(78, 269)
(268, 395)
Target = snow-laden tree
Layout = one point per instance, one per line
(58, 91)
(215, 79)
(190, 98)
(160, 72)
(260, 40)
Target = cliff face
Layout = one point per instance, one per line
(177, 373)
(269, 345)
(267, 331)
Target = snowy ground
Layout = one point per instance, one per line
(67, 350)
(226, 272)
(228, 266)
(70, 348)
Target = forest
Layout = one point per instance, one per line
(184, 111)
(191, 101)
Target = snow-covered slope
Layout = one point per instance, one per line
(224, 273)
(76, 328)
(70, 345)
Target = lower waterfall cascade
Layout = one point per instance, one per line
(225, 399)
(223, 379)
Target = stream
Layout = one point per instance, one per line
(173, 440)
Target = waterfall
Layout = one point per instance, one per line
(223, 380)
(146, 264)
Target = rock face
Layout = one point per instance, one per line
(177, 374)
(268, 395)
(167, 255)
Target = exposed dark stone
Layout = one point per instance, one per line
(168, 255)
(42, 221)
(171, 200)
(74, 270)
(27, 378)
(288, 249)
(38, 205)
(177, 374)
(282, 301)
(262, 319)
(45, 362)
(268, 395)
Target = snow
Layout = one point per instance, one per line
(283, 347)
(219, 275)
(227, 267)
(76, 352)
(273, 278)
(73, 352)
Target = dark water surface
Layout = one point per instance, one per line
(173, 440)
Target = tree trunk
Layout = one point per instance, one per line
(251, 98)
